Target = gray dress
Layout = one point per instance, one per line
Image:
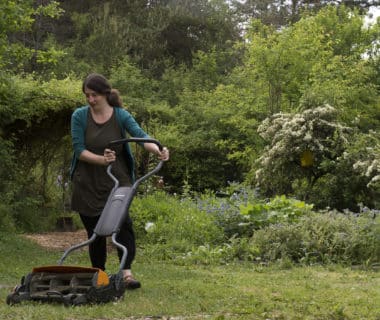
(91, 184)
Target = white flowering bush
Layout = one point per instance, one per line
(367, 162)
(370, 167)
(312, 156)
(314, 134)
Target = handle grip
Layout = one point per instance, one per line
(115, 143)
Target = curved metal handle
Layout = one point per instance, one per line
(141, 140)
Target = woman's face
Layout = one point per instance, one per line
(94, 98)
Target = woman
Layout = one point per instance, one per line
(92, 127)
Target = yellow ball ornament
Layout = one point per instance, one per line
(307, 159)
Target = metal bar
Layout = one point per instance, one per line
(80, 245)
(123, 248)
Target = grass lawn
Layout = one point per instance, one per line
(235, 291)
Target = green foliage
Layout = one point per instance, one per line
(174, 223)
(236, 250)
(7, 223)
(139, 97)
(33, 123)
(132, 84)
(200, 122)
(282, 72)
(23, 20)
(196, 153)
(331, 178)
(240, 212)
(150, 33)
(36, 98)
(368, 161)
(7, 171)
(317, 60)
(284, 13)
(291, 135)
(353, 176)
(328, 237)
(7, 166)
(15, 16)
(278, 210)
(203, 94)
(211, 230)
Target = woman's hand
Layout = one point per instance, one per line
(163, 154)
(109, 156)
(153, 148)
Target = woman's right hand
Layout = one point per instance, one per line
(109, 156)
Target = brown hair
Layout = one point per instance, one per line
(101, 85)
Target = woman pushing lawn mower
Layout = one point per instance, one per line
(92, 127)
(104, 185)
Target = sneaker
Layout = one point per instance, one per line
(131, 283)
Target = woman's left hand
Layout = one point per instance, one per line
(163, 154)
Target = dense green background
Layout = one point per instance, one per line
(239, 92)
(271, 112)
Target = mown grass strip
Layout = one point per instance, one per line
(235, 291)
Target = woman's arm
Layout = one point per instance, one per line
(108, 157)
(153, 148)
(135, 130)
(78, 129)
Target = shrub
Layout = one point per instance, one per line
(243, 212)
(175, 223)
(189, 231)
(279, 209)
(329, 237)
(30, 215)
(236, 249)
(6, 220)
(225, 210)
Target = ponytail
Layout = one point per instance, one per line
(114, 99)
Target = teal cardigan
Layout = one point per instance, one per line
(78, 133)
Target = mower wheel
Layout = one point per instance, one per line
(79, 300)
(13, 298)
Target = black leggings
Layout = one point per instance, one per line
(98, 248)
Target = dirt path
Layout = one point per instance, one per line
(58, 240)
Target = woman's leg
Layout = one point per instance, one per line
(126, 237)
(98, 248)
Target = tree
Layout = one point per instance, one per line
(320, 59)
(279, 13)
(23, 35)
(200, 154)
(151, 33)
(317, 60)
(16, 16)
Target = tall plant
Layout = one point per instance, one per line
(312, 156)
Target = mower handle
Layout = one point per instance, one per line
(130, 194)
(141, 140)
(115, 143)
